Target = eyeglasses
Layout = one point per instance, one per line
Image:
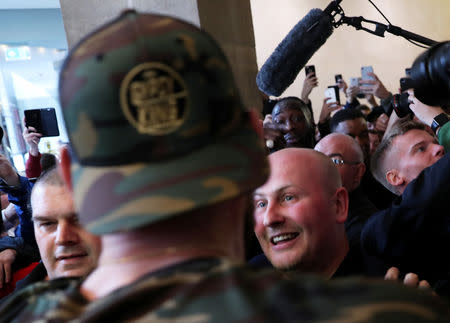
(338, 160)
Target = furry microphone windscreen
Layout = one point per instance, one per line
(294, 51)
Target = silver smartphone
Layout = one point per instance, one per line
(354, 81)
(365, 70)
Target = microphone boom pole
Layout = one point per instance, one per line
(380, 29)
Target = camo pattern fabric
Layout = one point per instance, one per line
(213, 290)
(155, 122)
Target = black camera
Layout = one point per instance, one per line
(404, 84)
(400, 104)
(430, 76)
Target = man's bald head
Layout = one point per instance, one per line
(340, 141)
(348, 155)
(319, 167)
(300, 212)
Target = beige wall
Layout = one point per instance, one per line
(347, 49)
(228, 21)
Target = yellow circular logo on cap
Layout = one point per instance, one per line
(154, 99)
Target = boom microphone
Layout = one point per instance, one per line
(294, 51)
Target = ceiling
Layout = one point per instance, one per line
(29, 4)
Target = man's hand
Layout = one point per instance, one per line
(371, 100)
(7, 257)
(9, 217)
(410, 279)
(32, 138)
(342, 85)
(375, 87)
(8, 173)
(382, 123)
(424, 112)
(327, 108)
(310, 82)
(273, 134)
(351, 93)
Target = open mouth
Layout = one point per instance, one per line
(283, 238)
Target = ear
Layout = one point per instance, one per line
(64, 167)
(341, 205)
(361, 171)
(394, 178)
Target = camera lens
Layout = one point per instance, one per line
(400, 103)
(430, 75)
(405, 84)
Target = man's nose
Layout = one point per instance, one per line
(438, 150)
(289, 125)
(273, 215)
(66, 234)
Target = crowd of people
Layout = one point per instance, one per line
(142, 217)
(381, 159)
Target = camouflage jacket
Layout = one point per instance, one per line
(213, 290)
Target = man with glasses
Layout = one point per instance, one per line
(344, 151)
(348, 157)
(353, 123)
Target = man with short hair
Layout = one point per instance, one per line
(406, 150)
(289, 125)
(348, 157)
(299, 222)
(171, 209)
(413, 230)
(66, 249)
(352, 122)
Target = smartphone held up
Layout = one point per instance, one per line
(365, 70)
(310, 69)
(332, 92)
(43, 120)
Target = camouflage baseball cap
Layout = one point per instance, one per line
(155, 122)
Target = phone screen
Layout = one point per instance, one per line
(332, 92)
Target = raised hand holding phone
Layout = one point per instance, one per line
(370, 84)
(43, 121)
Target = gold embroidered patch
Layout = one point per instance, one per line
(154, 99)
